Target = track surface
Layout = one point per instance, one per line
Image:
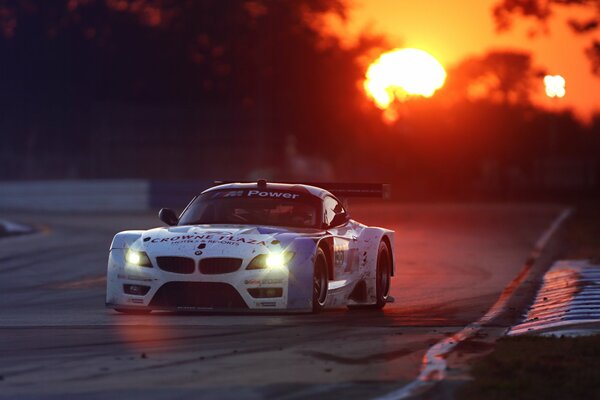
(57, 338)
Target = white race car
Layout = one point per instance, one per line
(254, 247)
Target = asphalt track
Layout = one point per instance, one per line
(57, 339)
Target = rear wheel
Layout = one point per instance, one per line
(320, 281)
(382, 279)
(384, 275)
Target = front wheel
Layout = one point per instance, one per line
(320, 281)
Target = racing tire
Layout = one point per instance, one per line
(383, 278)
(320, 282)
(384, 275)
(132, 312)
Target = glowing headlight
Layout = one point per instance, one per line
(271, 261)
(275, 260)
(137, 258)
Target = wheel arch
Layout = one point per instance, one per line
(369, 240)
(326, 244)
(125, 239)
(388, 241)
(300, 286)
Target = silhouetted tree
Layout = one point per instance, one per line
(542, 10)
(252, 71)
(501, 76)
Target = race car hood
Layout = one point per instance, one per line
(225, 240)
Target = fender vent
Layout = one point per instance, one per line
(219, 265)
(178, 265)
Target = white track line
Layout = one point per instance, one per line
(433, 367)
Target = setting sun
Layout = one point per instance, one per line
(400, 73)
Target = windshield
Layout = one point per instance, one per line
(254, 207)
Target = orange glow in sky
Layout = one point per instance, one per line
(400, 73)
(454, 30)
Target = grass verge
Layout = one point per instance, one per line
(582, 233)
(533, 367)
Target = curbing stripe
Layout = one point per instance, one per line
(433, 367)
(569, 296)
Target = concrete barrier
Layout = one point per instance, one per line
(175, 194)
(98, 195)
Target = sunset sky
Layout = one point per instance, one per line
(452, 30)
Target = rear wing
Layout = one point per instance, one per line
(378, 190)
(338, 189)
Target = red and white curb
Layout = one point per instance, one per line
(569, 297)
(434, 366)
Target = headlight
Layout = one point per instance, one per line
(138, 258)
(275, 260)
(271, 261)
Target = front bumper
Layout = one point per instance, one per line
(239, 291)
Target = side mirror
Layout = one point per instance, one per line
(168, 216)
(339, 219)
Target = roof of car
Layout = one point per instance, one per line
(295, 187)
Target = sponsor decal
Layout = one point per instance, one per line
(218, 233)
(266, 304)
(234, 193)
(339, 257)
(210, 238)
(274, 194)
(266, 281)
(270, 194)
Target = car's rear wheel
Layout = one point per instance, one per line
(382, 279)
(384, 275)
(132, 312)
(320, 281)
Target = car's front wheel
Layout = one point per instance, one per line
(320, 281)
